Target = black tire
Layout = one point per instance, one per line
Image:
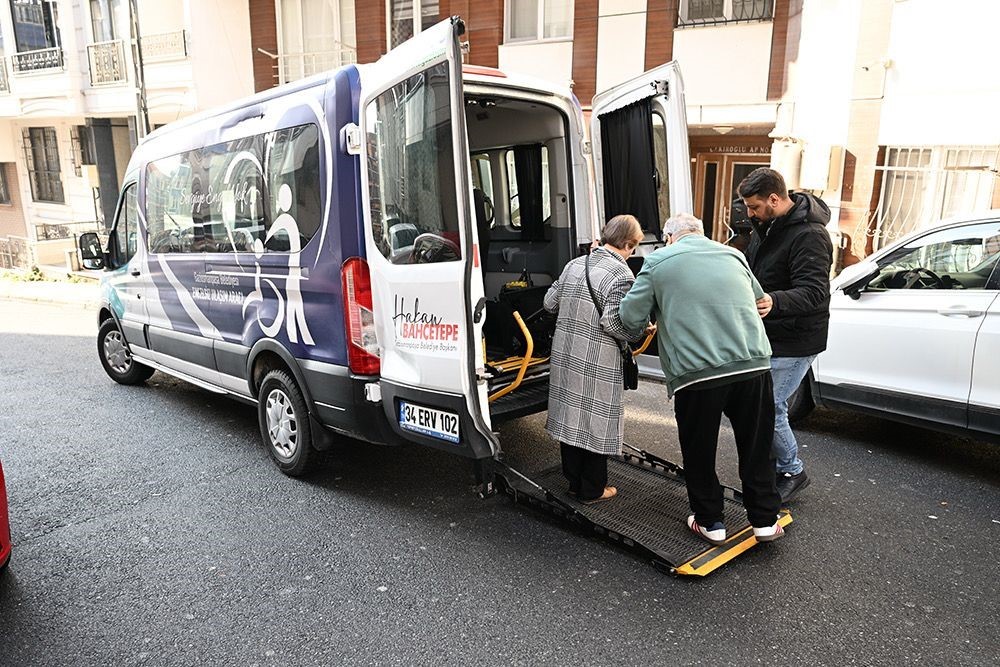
(800, 403)
(284, 423)
(116, 358)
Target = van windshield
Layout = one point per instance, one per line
(411, 171)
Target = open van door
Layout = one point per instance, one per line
(642, 165)
(421, 244)
(639, 139)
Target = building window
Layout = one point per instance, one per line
(41, 156)
(712, 12)
(35, 24)
(315, 36)
(534, 20)
(408, 17)
(4, 190)
(84, 151)
(102, 19)
(922, 185)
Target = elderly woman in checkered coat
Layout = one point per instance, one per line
(586, 413)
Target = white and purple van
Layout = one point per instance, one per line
(347, 251)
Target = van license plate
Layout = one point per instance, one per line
(428, 421)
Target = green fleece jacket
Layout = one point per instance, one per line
(702, 295)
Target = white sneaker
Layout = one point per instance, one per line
(716, 534)
(769, 533)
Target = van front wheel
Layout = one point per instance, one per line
(116, 358)
(284, 423)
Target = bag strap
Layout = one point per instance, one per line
(622, 345)
(593, 297)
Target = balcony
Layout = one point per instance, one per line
(299, 65)
(716, 12)
(164, 46)
(107, 63)
(41, 61)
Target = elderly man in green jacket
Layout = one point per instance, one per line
(716, 359)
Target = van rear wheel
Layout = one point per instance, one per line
(284, 423)
(116, 358)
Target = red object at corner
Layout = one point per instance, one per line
(4, 524)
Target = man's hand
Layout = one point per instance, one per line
(764, 305)
(650, 330)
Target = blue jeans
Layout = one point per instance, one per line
(786, 373)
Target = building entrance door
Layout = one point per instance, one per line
(716, 177)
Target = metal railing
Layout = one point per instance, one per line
(15, 253)
(163, 46)
(919, 186)
(66, 230)
(107, 63)
(294, 66)
(31, 62)
(715, 12)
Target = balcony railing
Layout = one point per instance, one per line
(164, 46)
(714, 12)
(107, 63)
(295, 66)
(42, 60)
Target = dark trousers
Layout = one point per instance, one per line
(749, 404)
(586, 471)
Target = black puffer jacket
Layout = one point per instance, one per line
(791, 258)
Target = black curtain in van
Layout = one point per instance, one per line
(528, 171)
(629, 168)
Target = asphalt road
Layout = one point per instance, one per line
(150, 528)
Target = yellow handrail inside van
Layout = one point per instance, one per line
(524, 362)
(642, 348)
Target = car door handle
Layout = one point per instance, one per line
(959, 311)
(135, 272)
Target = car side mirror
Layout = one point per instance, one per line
(91, 253)
(854, 288)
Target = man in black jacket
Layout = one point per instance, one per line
(790, 253)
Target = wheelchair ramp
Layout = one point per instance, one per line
(647, 516)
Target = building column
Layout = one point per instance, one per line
(107, 170)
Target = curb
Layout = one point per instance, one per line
(64, 294)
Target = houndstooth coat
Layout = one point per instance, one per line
(585, 385)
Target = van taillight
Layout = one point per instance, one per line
(359, 317)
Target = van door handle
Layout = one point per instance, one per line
(135, 272)
(959, 311)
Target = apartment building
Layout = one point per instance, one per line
(69, 103)
(880, 106)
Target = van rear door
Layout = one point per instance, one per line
(638, 134)
(421, 245)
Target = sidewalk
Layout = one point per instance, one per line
(83, 295)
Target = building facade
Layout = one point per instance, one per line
(69, 85)
(882, 107)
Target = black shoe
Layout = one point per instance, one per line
(789, 485)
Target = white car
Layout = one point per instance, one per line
(915, 332)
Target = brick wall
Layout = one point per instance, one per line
(263, 35)
(661, 16)
(371, 38)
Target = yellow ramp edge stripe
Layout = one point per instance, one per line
(714, 558)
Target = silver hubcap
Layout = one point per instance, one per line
(281, 425)
(116, 353)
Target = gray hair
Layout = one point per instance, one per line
(683, 223)
(621, 230)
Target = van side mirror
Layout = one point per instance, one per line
(854, 288)
(91, 253)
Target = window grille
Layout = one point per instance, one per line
(41, 156)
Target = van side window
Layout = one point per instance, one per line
(528, 185)
(212, 199)
(411, 170)
(293, 185)
(126, 228)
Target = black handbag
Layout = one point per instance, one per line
(630, 369)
